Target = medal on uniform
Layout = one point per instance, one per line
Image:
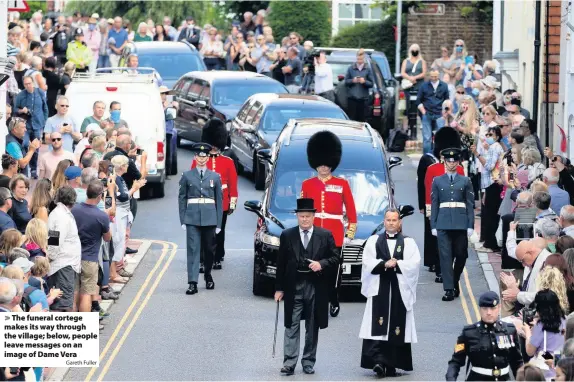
(499, 342)
(507, 342)
(399, 249)
(211, 183)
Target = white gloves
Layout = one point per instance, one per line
(469, 232)
(433, 231)
(217, 231)
(346, 240)
(183, 227)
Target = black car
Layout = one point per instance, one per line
(204, 95)
(380, 109)
(364, 165)
(261, 119)
(171, 59)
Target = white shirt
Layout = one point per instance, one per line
(302, 234)
(323, 78)
(69, 250)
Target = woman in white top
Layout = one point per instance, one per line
(212, 51)
(444, 65)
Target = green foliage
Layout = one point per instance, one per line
(379, 36)
(34, 7)
(138, 11)
(483, 10)
(311, 19)
(238, 8)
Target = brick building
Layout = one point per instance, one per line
(441, 23)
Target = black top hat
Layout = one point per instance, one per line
(451, 154)
(201, 149)
(305, 205)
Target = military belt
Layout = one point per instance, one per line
(200, 201)
(491, 372)
(223, 186)
(323, 215)
(453, 205)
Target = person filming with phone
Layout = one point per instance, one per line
(62, 123)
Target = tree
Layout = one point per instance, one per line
(238, 8)
(311, 19)
(378, 35)
(34, 7)
(138, 11)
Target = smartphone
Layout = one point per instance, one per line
(64, 124)
(139, 152)
(14, 370)
(54, 238)
(110, 169)
(548, 355)
(469, 60)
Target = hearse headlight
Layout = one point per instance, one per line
(269, 239)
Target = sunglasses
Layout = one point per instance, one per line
(56, 139)
(488, 134)
(64, 105)
(461, 93)
(459, 46)
(513, 112)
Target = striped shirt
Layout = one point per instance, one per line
(11, 50)
(491, 156)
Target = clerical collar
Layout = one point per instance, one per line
(325, 179)
(391, 236)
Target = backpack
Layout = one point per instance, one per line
(26, 302)
(397, 140)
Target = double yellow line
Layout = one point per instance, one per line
(167, 247)
(463, 301)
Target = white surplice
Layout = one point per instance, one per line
(408, 280)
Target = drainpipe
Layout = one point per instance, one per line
(536, 87)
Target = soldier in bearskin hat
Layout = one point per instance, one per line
(331, 194)
(430, 166)
(215, 134)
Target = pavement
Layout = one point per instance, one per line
(156, 332)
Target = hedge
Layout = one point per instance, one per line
(311, 19)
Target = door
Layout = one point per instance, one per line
(246, 133)
(182, 119)
(236, 126)
(204, 113)
(195, 110)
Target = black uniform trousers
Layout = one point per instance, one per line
(452, 247)
(489, 215)
(431, 256)
(220, 239)
(334, 292)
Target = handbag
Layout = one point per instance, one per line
(406, 84)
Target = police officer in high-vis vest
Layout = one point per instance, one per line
(490, 345)
(200, 213)
(452, 220)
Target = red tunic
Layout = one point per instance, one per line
(433, 171)
(330, 196)
(225, 167)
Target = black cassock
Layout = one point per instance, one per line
(393, 352)
(430, 242)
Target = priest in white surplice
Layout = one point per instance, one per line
(389, 277)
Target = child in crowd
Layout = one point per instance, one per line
(39, 272)
(36, 238)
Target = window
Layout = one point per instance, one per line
(242, 114)
(184, 86)
(251, 115)
(205, 93)
(195, 90)
(356, 12)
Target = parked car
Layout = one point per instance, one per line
(204, 95)
(171, 59)
(364, 164)
(262, 117)
(380, 109)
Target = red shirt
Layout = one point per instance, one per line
(433, 171)
(225, 167)
(330, 196)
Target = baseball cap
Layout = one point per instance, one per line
(24, 264)
(110, 21)
(72, 172)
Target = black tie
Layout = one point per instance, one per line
(201, 174)
(451, 178)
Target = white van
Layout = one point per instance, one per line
(141, 109)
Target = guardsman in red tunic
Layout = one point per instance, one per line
(330, 195)
(215, 134)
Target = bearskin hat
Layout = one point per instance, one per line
(215, 133)
(324, 149)
(446, 138)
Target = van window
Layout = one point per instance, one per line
(250, 120)
(183, 87)
(195, 90)
(205, 93)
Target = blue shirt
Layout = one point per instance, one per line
(36, 104)
(38, 296)
(432, 99)
(119, 37)
(558, 198)
(6, 222)
(92, 225)
(14, 150)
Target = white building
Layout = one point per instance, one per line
(347, 13)
(565, 119)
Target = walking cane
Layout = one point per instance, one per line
(275, 334)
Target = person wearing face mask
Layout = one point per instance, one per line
(115, 114)
(491, 186)
(468, 72)
(458, 55)
(93, 40)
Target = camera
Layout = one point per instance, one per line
(528, 314)
(310, 61)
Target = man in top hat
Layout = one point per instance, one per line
(330, 194)
(200, 213)
(491, 345)
(430, 166)
(452, 220)
(307, 254)
(214, 133)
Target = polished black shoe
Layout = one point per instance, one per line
(456, 292)
(308, 369)
(335, 309)
(192, 289)
(390, 372)
(379, 370)
(130, 251)
(209, 284)
(217, 265)
(438, 280)
(201, 268)
(287, 370)
(432, 268)
(448, 296)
